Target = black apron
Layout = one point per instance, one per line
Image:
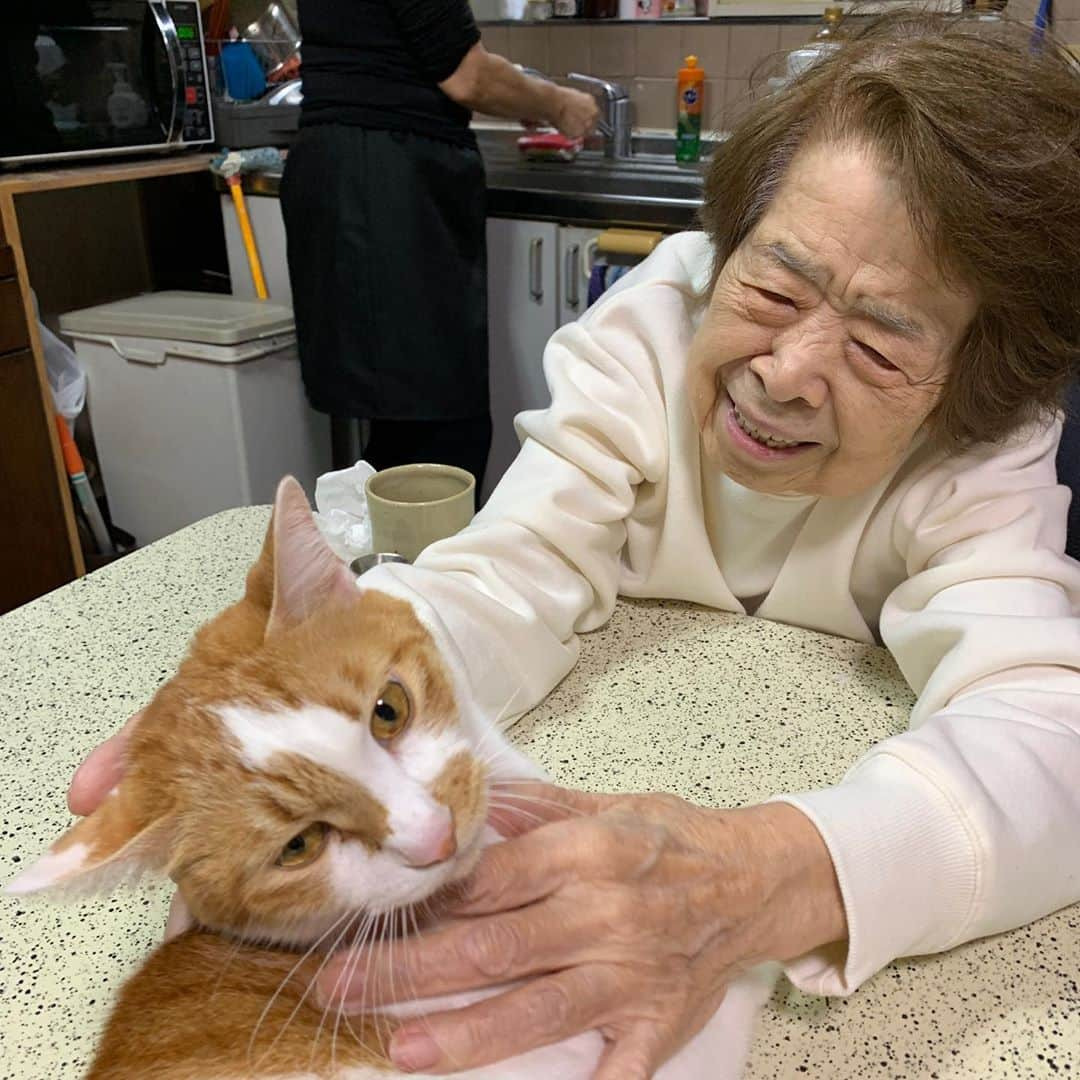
(387, 262)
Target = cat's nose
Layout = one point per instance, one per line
(434, 843)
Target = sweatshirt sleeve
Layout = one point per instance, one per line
(966, 824)
(541, 561)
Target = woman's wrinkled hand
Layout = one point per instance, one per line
(625, 914)
(100, 772)
(94, 779)
(576, 113)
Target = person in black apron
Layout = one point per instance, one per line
(384, 205)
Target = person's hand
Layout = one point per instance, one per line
(576, 112)
(100, 772)
(628, 915)
(94, 779)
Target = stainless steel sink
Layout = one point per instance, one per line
(650, 188)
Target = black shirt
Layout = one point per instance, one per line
(376, 63)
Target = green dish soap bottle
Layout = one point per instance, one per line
(691, 92)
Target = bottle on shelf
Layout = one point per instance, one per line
(825, 39)
(690, 90)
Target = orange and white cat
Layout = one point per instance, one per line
(313, 769)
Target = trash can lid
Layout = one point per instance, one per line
(177, 315)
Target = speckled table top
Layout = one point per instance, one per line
(718, 708)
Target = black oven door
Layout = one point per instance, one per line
(87, 77)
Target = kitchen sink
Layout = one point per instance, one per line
(650, 188)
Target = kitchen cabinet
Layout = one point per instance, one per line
(49, 237)
(577, 252)
(38, 548)
(538, 280)
(523, 312)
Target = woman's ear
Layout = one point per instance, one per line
(98, 852)
(306, 572)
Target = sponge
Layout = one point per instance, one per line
(549, 146)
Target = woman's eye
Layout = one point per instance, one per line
(774, 297)
(391, 714)
(305, 847)
(875, 357)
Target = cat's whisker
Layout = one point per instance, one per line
(408, 916)
(233, 953)
(493, 729)
(281, 986)
(352, 917)
(349, 971)
(528, 815)
(498, 790)
(351, 966)
(490, 759)
(340, 1007)
(511, 800)
(375, 940)
(326, 1008)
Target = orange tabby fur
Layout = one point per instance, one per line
(195, 1002)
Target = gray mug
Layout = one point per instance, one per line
(411, 506)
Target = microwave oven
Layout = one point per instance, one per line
(82, 78)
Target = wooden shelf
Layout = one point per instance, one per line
(40, 547)
(17, 182)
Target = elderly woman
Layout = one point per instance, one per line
(836, 407)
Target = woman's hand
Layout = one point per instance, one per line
(576, 112)
(94, 779)
(630, 914)
(100, 772)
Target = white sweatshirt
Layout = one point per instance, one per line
(965, 825)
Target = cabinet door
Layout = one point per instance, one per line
(35, 552)
(522, 315)
(577, 248)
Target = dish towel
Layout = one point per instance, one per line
(602, 277)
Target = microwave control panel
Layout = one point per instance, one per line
(198, 120)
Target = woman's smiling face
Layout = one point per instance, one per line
(828, 335)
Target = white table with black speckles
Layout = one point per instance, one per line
(717, 708)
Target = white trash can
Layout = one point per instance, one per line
(197, 406)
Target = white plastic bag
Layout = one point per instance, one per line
(67, 380)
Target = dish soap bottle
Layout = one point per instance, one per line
(691, 91)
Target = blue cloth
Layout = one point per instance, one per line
(597, 282)
(1068, 467)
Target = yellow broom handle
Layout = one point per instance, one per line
(236, 187)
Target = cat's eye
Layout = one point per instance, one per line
(391, 714)
(304, 847)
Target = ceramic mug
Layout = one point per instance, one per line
(411, 506)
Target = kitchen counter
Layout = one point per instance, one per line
(649, 189)
(718, 708)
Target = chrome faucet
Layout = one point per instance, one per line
(616, 124)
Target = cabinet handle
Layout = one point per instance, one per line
(570, 273)
(536, 268)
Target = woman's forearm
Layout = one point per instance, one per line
(491, 84)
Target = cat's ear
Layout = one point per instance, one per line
(307, 573)
(98, 852)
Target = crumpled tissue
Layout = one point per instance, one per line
(342, 510)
